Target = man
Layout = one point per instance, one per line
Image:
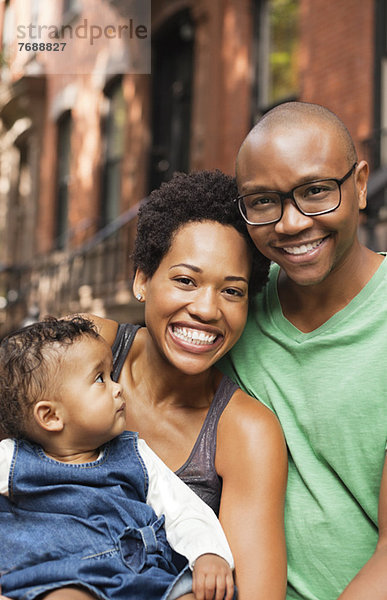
(315, 344)
(371, 581)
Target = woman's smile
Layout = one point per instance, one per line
(194, 339)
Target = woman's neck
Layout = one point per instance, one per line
(162, 382)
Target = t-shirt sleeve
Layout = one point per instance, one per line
(7, 447)
(227, 367)
(191, 526)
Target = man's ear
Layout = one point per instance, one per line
(361, 179)
(48, 416)
(139, 285)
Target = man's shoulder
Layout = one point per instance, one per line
(267, 297)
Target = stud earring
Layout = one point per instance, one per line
(139, 297)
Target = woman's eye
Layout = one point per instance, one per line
(184, 280)
(234, 292)
(99, 378)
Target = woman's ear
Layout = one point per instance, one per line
(47, 416)
(139, 285)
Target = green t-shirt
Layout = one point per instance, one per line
(329, 391)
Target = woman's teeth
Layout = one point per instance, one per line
(193, 336)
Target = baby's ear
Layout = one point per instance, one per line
(48, 416)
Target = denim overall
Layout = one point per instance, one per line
(85, 524)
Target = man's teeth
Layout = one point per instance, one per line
(302, 249)
(194, 336)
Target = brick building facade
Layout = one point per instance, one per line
(80, 151)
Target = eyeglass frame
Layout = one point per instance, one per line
(284, 195)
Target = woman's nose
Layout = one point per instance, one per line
(205, 306)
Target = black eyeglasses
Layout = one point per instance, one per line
(312, 198)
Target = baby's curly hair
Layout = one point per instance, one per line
(189, 198)
(28, 358)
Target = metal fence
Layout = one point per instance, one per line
(95, 277)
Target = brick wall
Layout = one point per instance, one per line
(337, 60)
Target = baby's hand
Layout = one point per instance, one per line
(212, 578)
(3, 597)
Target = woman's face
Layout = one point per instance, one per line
(197, 300)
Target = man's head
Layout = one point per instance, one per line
(293, 144)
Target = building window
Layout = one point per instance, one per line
(23, 217)
(114, 134)
(70, 10)
(63, 180)
(35, 11)
(7, 33)
(275, 53)
(69, 6)
(172, 83)
(379, 146)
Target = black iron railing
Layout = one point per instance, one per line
(96, 274)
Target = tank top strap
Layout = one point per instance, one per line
(121, 346)
(199, 470)
(222, 397)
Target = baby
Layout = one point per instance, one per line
(82, 502)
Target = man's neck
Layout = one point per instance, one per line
(308, 307)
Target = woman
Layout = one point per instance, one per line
(195, 268)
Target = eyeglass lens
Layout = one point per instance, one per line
(311, 198)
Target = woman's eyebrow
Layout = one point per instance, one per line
(198, 270)
(236, 278)
(192, 267)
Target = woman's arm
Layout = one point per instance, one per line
(106, 327)
(251, 458)
(371, 581)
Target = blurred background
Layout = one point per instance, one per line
(79, 152)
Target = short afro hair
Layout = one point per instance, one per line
(190, 198)
(27, 360)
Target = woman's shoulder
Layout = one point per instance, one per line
(107, 328)
(243, 406)
(249, 419)
(249, 441)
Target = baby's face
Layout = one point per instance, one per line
(91, 402)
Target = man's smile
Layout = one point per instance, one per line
(303, 248)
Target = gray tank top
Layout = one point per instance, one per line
(198, 472)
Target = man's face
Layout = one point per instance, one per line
(307, 248)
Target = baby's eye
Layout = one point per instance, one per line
(99, 378)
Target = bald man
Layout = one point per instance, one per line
(315, 345)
